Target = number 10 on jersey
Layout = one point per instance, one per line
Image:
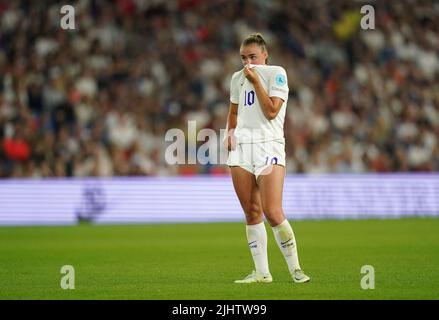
(249, 98)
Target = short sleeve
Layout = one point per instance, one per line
(234, 90)
(278, 84)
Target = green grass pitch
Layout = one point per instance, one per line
(200, 261)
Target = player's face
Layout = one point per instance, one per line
(253, 54)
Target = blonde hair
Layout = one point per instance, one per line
(256, 38)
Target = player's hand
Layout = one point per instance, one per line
(229, 140)
(250, 74)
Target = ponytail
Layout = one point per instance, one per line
(256, 38)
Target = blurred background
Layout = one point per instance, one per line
(88, 110)
(98, 100)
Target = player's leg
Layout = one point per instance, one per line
(247, 191)
(270, 184)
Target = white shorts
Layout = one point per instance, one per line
(257, 157)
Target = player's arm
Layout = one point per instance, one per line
(270, 105)
(232, 121)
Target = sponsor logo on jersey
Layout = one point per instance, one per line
(279, 89)
(280, 80)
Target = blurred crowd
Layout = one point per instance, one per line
(98, 100)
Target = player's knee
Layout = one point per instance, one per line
(274, 214)
(253, 212)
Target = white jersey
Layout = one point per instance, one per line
(252, 125)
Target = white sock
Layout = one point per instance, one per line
(287, 243)
(257, 242)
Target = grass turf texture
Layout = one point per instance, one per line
(200, 261)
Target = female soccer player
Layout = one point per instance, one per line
(255, 140)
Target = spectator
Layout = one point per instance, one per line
(98, 100)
